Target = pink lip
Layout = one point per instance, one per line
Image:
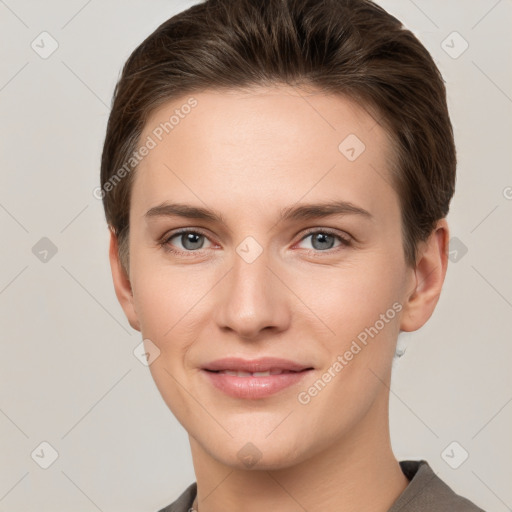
(262, 364)
(254, 387)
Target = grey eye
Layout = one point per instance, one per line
(190, 240)
(322, 240)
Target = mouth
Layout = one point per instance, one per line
(254, 379)
(239, 373)
(274, 365)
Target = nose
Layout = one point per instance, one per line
(253, 301)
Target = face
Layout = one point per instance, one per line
(230, 260)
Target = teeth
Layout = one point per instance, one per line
(253, 374)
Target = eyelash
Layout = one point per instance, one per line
(164, 242)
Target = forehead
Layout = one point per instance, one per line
(270, 145)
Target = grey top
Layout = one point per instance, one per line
(426, 492)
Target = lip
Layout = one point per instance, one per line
(254, 387)
(261, 364)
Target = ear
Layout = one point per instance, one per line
(430, 271)
(122, 283)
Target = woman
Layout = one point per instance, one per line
(276, 177)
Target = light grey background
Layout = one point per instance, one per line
(68, 373)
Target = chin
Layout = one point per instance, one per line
(258, 453)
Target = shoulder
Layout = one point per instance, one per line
(184, 502)
(427, 492)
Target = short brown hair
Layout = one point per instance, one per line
(348, 47)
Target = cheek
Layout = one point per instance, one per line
(170, 306)
(151, 299)
(348, 299)
(170, 315)
(361, 305)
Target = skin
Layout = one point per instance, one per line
(247, 155)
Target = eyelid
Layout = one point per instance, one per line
(164, 240)
(330, 231)
(179, 231)
(345, 240)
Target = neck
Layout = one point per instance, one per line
(357, 473)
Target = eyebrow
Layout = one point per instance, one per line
(300, 212)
